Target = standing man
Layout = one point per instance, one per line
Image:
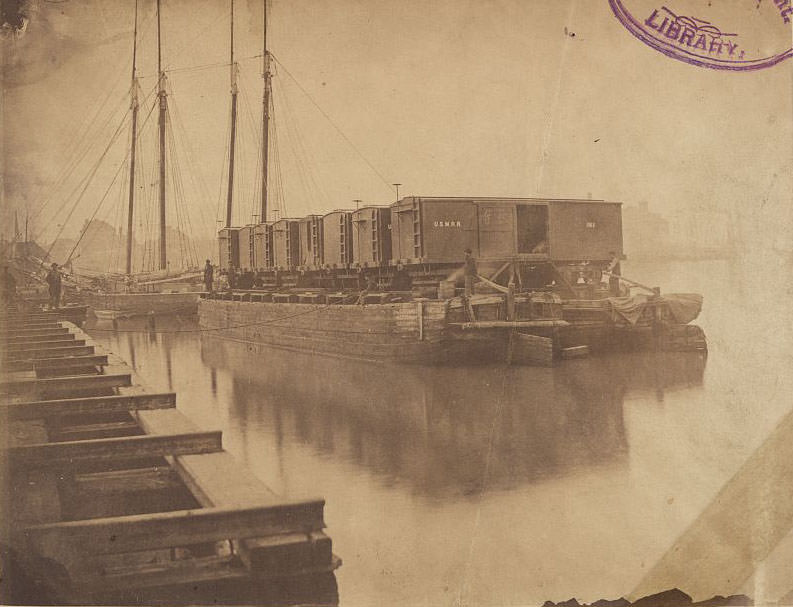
(54, 282)
(613, 270)
(471, 273)
(209, 274)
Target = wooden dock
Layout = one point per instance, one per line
(111, 495)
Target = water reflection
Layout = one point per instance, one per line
(594, 472)
(446, 431)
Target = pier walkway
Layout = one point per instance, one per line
(111, 495)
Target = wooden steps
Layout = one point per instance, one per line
(111, 490)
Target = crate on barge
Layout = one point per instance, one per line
(112, 495)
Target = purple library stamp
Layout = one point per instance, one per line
(737, 35)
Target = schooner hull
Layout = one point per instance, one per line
(124, 305)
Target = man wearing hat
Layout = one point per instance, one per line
(209, 275)
(54, 283)
(470, 273)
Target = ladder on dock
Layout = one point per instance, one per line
(111, 492)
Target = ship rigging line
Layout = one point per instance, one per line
(252, 324)
(88, 180)
(104, 196)
(333, 124)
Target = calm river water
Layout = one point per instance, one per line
(510, 486)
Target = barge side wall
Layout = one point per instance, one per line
(402, 332)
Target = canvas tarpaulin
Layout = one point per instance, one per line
(684, 307)
(628, 308)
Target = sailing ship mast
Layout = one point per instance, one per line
(134, 102)
(233, 138)
(265, 114)
(163, 100)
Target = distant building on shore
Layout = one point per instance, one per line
(686, 234)
(645, 233)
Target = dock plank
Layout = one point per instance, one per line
(167, 529)
(72, 453)
(17, 350)
(67, 361)
(38, 333)
(39, 341)
(87, 405)
(27, 356)
(67, 383)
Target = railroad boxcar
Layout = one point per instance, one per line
(229, 248)
(310, 239)
(438, 230)
(286, 246)
(371, 236)
(337, 239)
(263, 246)
(246, 234)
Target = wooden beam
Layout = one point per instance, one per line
(87, 431)
(39, 346)
(14, 362)
(43, 324)
(26, 333)
(214, 569)
(89, 405)
(68, 361)
(66, 311)
(72, 365)
(507, 324)
(72, 348)
(68, 383)
(76, 368)
(68, 454)
(38, 338)
(168, 529)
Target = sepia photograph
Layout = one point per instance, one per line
(352, 303)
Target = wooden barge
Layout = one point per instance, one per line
(416, 331)
(112, 496)
(546, 283)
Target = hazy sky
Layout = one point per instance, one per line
(449, 97)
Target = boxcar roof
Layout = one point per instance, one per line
(505, 199)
